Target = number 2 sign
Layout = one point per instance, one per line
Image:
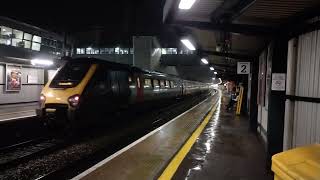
(243, 68)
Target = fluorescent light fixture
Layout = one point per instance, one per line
(215, 73)
(43, 62)
(211, 68)
(204, 61)
(186, 4)
(188, 44)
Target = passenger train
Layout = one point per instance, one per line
(85, 88)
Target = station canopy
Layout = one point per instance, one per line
(228, 31)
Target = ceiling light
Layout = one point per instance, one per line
(44, 62)
(213, 78)
(215, 73)
(188, 44)
(204, 61)
(211, 68)
(186, 4)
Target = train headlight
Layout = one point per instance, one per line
(74, 100)
(42, 99)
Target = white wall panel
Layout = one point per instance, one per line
(306, 123)
(27, 93)
(290, 90)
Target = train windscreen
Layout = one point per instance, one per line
(70, 75)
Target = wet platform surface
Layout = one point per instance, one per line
(225, 150)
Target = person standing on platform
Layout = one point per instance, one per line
(233, 99)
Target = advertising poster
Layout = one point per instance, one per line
(13, 78)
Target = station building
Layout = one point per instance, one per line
(147, 52)
(28, 55)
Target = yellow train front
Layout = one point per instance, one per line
(60, 98)
(85, 90)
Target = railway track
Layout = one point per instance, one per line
(20, 153)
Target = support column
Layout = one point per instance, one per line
(276, 105)
(253, 109)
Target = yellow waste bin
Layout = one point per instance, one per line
(302, 163)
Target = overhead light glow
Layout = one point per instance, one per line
(188, 44)
(204, 61)
(215, 73)
(213, 78)
(186, 4)
(44, 62)
(211, 68)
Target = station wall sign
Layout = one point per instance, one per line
(278, 82)
(243, 68)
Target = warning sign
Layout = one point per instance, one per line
(278, 82)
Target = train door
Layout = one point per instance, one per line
(120, 86)
(124, 91)
(114, 83)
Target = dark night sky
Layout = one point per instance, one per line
(118, 16)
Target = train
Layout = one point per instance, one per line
(84, 89)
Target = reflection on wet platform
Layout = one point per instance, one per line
(225, 150)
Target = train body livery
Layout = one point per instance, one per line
(83, 88)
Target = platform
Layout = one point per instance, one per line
(14, 112)
(220, 139)
(225, 150)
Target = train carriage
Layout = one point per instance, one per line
(84, 88)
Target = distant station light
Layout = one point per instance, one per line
(204, 61)
(186, 4)
(43, 62)
(215, 73)
(211, 68)
(213, 78)
(188, 44)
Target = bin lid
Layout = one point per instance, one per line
(300, 163)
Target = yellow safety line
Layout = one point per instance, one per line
(176, 161)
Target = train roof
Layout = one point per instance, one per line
(119, 65)
(92, 60)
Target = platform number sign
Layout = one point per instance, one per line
(243, 68)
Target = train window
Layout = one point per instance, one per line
(147, 83)
(156, 84)
(162, 84)
(167, 84)
(70, 75)
(172, 84)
